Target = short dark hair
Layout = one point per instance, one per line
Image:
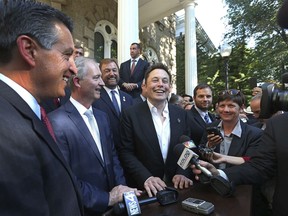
(201, 86)
(31, 18)
(157, 66)
(137, 44)
(190, 97)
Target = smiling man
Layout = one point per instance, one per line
(149, 132)
(112, 100)
(84, 136)
(36, 46)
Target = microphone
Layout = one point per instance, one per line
(188, 156)
(131, 205)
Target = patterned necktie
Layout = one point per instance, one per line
(133, 66)
(114, 101)
(207, 119)
(47, 123)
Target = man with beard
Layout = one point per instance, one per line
(198, 115)
(112, 100)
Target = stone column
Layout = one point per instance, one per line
(128, 27)
(191, 79)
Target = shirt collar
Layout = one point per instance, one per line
(23, 93)
(202, 113)
(108, 90)
(81, 109)
(237, 131)
(153, 109)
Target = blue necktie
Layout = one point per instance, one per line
(114, 101)
(206, 118)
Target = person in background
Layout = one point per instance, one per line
(177, 100)
(188, 101)
(78, 51)
(199, 115)
(142, 97)
(114, 104)
(84, 137)
(132, 72)
(149, 133)
(36, 48)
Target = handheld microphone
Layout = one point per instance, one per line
(187, 156)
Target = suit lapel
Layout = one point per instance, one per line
(197, 117)
(105, 97)
(79, 123)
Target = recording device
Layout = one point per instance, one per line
(214, 130)
(188, 157)
(273, 98)
(131, 204)
(198, 206)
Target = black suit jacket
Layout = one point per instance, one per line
(137, 77)
(105, 104)
(34, 176)
(197, 124)
(140, 152)
(271, 160)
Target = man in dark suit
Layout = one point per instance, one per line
(149, 132)
(197, 114)
(110, 76)
(35, 178)
(132, 72)
(86, 141)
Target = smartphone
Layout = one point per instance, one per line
(198, 206)
(214, 130)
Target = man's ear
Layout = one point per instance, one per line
(27, 49)
(76, 81)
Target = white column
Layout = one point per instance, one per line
(107, 50)
(128, 27)
(191, 79)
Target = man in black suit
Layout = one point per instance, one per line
(149, 132)
(132, 72)
(272, 157)
(110, 76)
(36, 48)
(199, 116)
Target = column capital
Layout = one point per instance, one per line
(185, 3)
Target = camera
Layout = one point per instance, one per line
(273, 99)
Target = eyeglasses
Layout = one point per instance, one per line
(232, 92)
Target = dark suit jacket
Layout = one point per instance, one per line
(95, 177)
(34, 176)
(271, 160)
(197, 124)
(105, 104)
(137, 77)
(140, 152)
(247, 145)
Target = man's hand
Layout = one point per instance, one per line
(154, 184)
(208, 166)
(181, 181)
(116, 194)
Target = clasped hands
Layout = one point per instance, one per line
(129, 86)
